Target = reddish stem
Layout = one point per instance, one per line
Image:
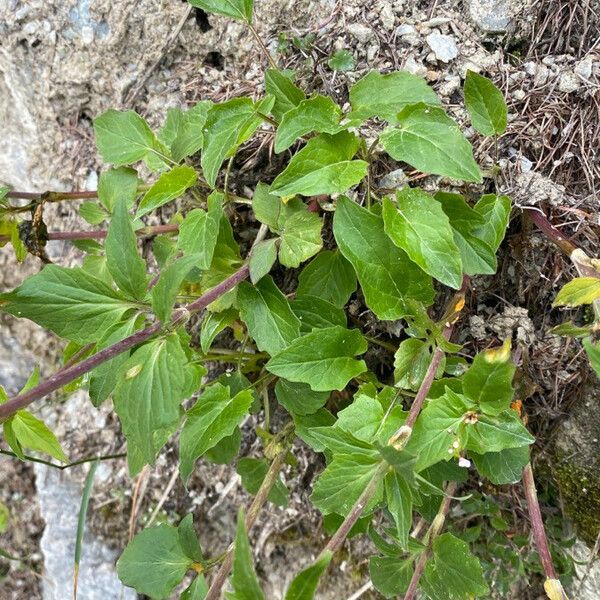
(551, 232)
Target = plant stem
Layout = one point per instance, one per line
(432, 533)
(64, 376)
(539, 533)
(265, 50)
(551, 232)
(259, 500)
(75, 463)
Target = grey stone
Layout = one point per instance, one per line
(587, 570)
(394, 180)
(569, 82)
(361, 32)
(443, 46)
(492, 16)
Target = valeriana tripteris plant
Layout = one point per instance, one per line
(393, 448)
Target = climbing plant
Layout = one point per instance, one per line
(140, 331)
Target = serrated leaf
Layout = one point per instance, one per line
(32, 433)
(316, 313)
(411, 362)
(489, 380)
(199, 231)
(123, 138)
(386, 275)
(430, 141)
(300, 238)
(341, 60)
(418, 225)
(117, 184)
(188, 539)
(243, 578)
(93, 212)
(150, 388)
(328, 276)
(124, 263)
(183, 131)
(485, 104)
(496, 212)
(593, 351)
(268, 316)
(212, 324)
(454, 573)
(578, 291)
(253, 472)
(338, 441)
(323, 166)
(298, 398)
(169, 186)
(496, 433)
(390, 575)
(383, 96)
(154, 562)
(214, 417)
(323, 359)
(304, 585)
(262, 259)
(398, 498)
(238, 9)
(228, 125)
(318, 113)
(167, 287)
(286, 94)
(502, 467)
(343, 481)
(70, 302)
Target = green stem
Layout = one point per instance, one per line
(265, 50)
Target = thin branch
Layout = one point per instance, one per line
(81, 461)
(265, 50)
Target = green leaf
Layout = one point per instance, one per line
(411, 362)
(93, 213)
(489, 380)
(154, 562)
(341, 60)
(262, 259)
(123, 138)
(150, 387)
(454, 573)
(316, 313)
(199, 231)
(243, 578)
(502, 467)
(117, 185)
(343, 481)
(304, 585)
(377, 95)
(166, 289)
(478, 257)
(485, 104)
(4, 511)
(305, 426)
(124, 263)
(70, 302)
(266, 206)
(253, 471)
(390, 575)
(386, 275)
(189, 539)
(298, 398)
(30, 432)
(569, 329)
(496, 433)
(183, 131)
(227, 126)
(213, 324)
(286, 94)
(214, 417)
(398, 497)
(323, 166)
(300, 238)
(418, 225)
(268, 316)
(437, 428)
(329, 276)
(238, 9)
(430, 141)
(593, 351)
(103, 378)
(338, 441)
(322, 358)
(170, 185)
(197, 590)
(496, 213)
(578, 291)
(318, 113)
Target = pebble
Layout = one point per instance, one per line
(405, 29)
(584, 68)
(361, 32)
(387, 16)
(492, 16)
(443, 46)
(519, 94)
(569, 82)
(394, 180)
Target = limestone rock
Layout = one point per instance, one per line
(444, 46)
(492, 16)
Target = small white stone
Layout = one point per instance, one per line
(387, 16)
(569, 82)
(443, 46)
(464, 462)
(361, 32)
(584, 68)
(87, 35)
(519, 94)
(405, 29)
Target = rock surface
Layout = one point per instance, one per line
(492, 16)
